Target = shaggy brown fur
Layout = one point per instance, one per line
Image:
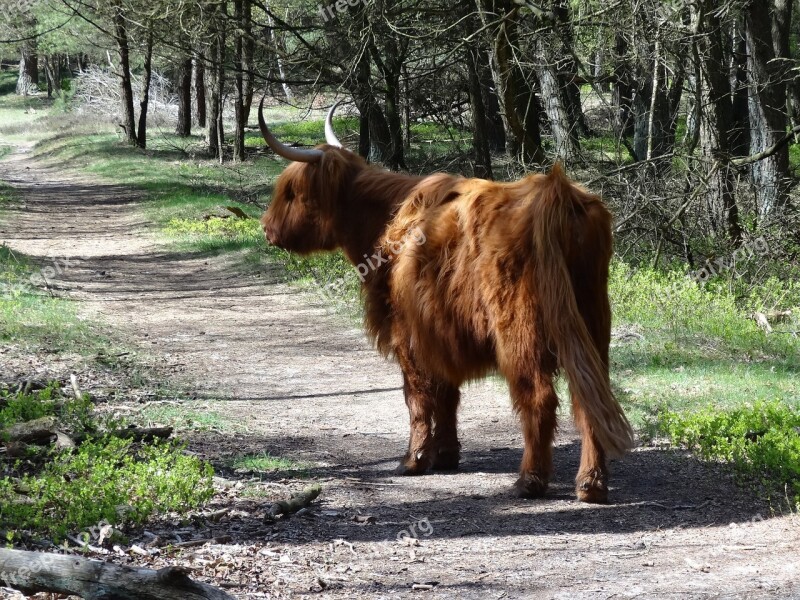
(511, 278)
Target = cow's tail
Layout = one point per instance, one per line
(565, 245)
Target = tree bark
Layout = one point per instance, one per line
(183, 127)
(622, 94)
(376, 146)
(200, 91)
(480, 140)
(147, 76)
(740, 126)
(390, 65)
(238, 65)
(567, 69)
(767, 101)
(518, 101)
(216, 131)
(781, 29)
(495, 130)
(554, 97)
(32, 572)
(128, 118)
(52, 68)
(28, 80)
(716, 118)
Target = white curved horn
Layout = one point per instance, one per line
(330, 134)
(296, 154)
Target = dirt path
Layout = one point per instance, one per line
(299, 383)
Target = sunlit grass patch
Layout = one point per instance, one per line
(761, 439)
(186, 416)
(57, 491)
(265, 463)
(681, 346)
(107, 480)
(30, 316)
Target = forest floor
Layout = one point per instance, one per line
(278, 375)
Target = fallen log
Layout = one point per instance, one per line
(32, 572)
(36, 431)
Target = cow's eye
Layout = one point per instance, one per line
(289, 195)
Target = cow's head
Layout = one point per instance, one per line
(309, 196)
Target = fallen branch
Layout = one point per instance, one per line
(32, 572)
(137, 434)
(142, 434)
(767, 152)
(295, 502)
(73, 380)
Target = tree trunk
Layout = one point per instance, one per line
(480, 140)
(651, 112)
(238, 66)
(781, 29)
(622, 94)
(200, 90)
(517, 99)
(216, 132)
(248, 55)
(740, 126)
(554, 96)
(28, 80)
(184, 126)
(391, 68)
(767, 101)
(280, 49)
(568, 69)
(126, 87)
(52, 68)
(376, 145)
(716, 118)
(147, 76)
(495, 131)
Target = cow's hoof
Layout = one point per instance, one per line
(592, 488)
(417, 464)
(530, 485)
(446, 460)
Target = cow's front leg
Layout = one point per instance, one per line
(420, 403)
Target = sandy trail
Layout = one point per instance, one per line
(298, 382)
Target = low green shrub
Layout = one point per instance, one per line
(762, 441)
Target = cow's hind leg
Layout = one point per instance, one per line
(446, 447)
(536, 403)
(591, 484)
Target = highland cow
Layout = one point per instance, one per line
(511, 278)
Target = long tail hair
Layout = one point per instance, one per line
(558, 213)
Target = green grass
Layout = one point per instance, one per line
(605, 148)
(29, 316)
(689, 347)
(761, 439)
(55, 492)
(268, 464)
(186, 416)
(108, 480)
